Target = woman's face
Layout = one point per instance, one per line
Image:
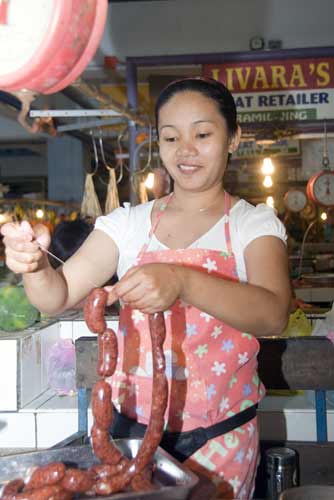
(194, 141)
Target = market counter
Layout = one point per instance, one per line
(314, 294)
(315, 288)
(33, 416)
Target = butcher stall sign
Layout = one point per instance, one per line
(279, 90)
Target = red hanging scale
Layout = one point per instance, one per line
(320, 187)
(46, 44)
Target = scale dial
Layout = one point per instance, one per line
(295, 200)
(320, 188)
(46, 44)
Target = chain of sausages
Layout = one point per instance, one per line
(116, 472)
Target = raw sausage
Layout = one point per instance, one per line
(107, 353)
(105, 471)
(54, 492)
(77, 481)
(13, 487)
(102, 405)
(103, 448)
(116, 471)
(94, 308)
(45, 476)
(155, 426)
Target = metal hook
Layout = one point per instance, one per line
(102, 151)
(120, 177)
(120, 163)
(96, 158)
(325, 159)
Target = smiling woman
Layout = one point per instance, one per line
(217, 267)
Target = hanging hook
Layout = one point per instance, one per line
(325, 159)
(96, 157)
(102, 151)
(120, 163)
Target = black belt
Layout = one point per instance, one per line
(181, 445)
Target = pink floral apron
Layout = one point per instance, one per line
(211, 369)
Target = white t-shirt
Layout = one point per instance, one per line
(129, 227)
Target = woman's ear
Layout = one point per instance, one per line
(234, 141)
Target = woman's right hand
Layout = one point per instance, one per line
(22, 246)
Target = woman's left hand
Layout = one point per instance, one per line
(149, 287)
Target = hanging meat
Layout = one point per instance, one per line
(116, 472)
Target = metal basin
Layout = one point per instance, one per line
(171, 478)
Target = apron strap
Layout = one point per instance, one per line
(181, 445)
(227, 223)
(154, 226)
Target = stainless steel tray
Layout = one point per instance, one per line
(173, 480)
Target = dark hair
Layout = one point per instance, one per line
(67, 238)
(208, 87)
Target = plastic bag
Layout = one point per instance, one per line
(112, 198)
(61, 367)
(325, 327)
(90, 205)
(299, 325)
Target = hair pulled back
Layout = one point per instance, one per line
(209, 88)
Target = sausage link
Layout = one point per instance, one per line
(13, 487)
(77, 481)
(103, 448)
(118, 482)
(112, 485)
(155, 426)
(107, 353)
(101, 405)
(54, 492)
(154, 429)
(46, 475)
(106, 471)
(94, 308)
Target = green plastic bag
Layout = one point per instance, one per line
(16, 312)
(299, 325)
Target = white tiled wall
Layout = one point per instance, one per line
(8, 375)
(17, 430)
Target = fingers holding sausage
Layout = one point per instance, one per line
(150, 287)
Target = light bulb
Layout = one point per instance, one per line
(270, 201)
(39, 213)
(323, 216)
(149, 182)
(3, 218)
(268, 182)
(267, 167)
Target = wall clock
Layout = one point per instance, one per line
(256, 43)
